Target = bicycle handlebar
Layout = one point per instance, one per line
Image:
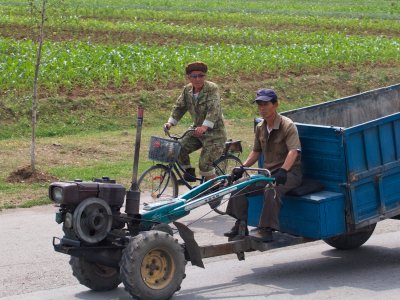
(177, 137)
(265, 171)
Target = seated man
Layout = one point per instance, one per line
(276, 138)
(202, 100)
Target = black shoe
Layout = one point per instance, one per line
(235, 230)
(190, 175)
(263, 234)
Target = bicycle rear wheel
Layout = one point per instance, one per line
(224, 166)
(158, 183)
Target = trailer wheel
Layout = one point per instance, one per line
(351, 240)
(95, 276)
(152, 266)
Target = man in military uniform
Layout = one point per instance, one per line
(202, 100)
(277, 139)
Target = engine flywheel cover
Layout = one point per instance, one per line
(92, 220)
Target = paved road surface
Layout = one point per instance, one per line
(30, 269)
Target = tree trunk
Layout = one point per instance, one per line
(35, 86)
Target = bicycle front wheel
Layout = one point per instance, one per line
(224, 165)
(158, 183)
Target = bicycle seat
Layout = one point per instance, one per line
(233, 146)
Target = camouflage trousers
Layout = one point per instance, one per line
(212, 146)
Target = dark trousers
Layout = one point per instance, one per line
(238, 205)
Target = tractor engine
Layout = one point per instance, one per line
(88, 210)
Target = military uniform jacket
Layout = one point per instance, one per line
(205, 110)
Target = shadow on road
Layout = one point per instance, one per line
(117, 294)
(365, 268)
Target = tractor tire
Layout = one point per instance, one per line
(152, 266)
(351, 240)
(95, 276)
(163, 227)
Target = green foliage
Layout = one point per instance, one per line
(72, 63)
(95, 51)
(247, 37)
(336, 8)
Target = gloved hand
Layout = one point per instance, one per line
(280, 176)
(237, 173)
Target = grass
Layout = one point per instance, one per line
(35, 202)
(112, 110)
(85, 157)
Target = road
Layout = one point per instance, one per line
(30, 269)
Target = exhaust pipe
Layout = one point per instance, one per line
(133, 194)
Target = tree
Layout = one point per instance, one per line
(36, 78)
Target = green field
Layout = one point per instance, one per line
(101, 58)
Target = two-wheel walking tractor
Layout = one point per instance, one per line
(350, 145)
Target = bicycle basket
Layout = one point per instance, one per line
(164, 150)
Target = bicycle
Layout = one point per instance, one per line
(160, 181)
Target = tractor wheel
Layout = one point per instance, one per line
(163, 227)
(351, 240)
(95, 276)
(152, 265)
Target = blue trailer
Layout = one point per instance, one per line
(350, 145)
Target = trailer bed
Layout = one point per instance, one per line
(352, 146)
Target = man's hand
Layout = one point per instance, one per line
(280, 176)
(199, 131)
(167, 126)
(237, 173)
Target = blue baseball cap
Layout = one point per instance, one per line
(266, 95)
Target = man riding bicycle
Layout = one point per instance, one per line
(202, 100)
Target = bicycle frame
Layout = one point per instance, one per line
(180, 173)
(176, 208)
(176, 166)
(178, 169)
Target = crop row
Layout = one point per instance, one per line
(230, 35)
(82, 63)
(80, 18)
(336, 8)
(225, 34)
